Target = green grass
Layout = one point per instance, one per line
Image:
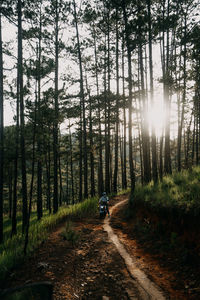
(8, 223)
(11, 251)
(179, 193)
(69, 233)
(123, 192)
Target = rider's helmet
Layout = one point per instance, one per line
(104, 194)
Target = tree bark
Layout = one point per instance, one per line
(71, 164)
(39, 162)
(161, 158)
(1, 134)
(100, 168)
(32, 181)
(14, 212)
(10, 187)
(154, 151)
(132, 172)
(60, 179)
(183, 97)
(82, 96)
(145, 131)
(55, 129)
(67, 181)
(48, 182)
(92, 181)
(22, 123)
(124, 116)
(49, 173)
(117, 108)
(167, 150)
(107, 146)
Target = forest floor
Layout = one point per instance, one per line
(92, 268)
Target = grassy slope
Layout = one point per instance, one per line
(166, 217)
(11, 251)
(179, 193)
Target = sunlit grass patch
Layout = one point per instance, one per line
(180, 191)
(123, 192)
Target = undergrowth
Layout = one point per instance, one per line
(68, 233)
(179, 193)
(11, 251)
(166, 216)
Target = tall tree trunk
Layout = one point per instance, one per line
(14, 211)
(1, 134)
(121, 159)
(188, 143)
(67, 181)
(124, 117)
(100, 169)
(139, 135)
(132, 172)
(183, 97)
(197, 135)
(92, 182)
(178, 82)
(39, 162)
(198, 128)
(55, 129)
(107, 145)
(141, 158)
(10, 188)
(117, 108)
(109, 154)
(32, 180)
(48, 189)
(82, 96)
(60, 179)
(154, 151)
(111, 158)
(22, 124)
(193, 138)
(167, 150)
(71, 164)
(161, 158)
(144, 127)
(49, 172)
(145, 130)
(80, 159)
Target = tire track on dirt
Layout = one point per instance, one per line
(146, 288)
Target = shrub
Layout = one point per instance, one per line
(68, 233)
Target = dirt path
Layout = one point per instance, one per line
(91, 269)
(146, 288)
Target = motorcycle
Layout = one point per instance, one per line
(102, 211)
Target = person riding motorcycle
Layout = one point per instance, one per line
(104, 200)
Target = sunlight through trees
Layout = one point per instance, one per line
(105, 95)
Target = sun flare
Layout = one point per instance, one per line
(156, 117)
